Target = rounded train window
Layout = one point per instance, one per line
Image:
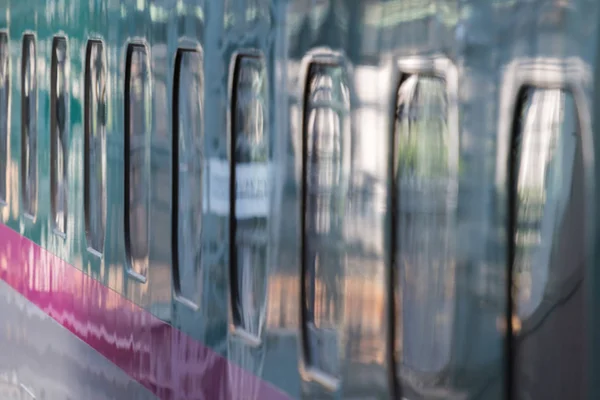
(544, 144)
(326, 145)
(426, 185)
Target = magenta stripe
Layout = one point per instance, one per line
(168, 362)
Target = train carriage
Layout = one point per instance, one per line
(304, 199)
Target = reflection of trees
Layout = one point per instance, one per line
(427, 186)
(423, 140)
(546, 154)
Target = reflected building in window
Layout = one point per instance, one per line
(326, 173)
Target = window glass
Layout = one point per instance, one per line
(4, 111)
(59, 121)
(250, 149)
(547, 232)
(95, 146)
(326, 172)
(545, 146)
(137, 159)
(426, 196)
(188, 161)
(29, 126)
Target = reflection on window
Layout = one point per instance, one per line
(59, 122)
(137, 159)
(545, 144)
(188, 159)
(4, 111)
(95, 146)
(29, 126)
(426, 185)
(250, 149)
(326, 144)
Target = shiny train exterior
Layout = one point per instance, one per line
(413, 217)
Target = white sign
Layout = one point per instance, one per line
(252, 188)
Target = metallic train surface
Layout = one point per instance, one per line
(414, 208)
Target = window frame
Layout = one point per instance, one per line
(325, 57)
(179, 52)
(87, 136)
(132, 46)
(441, 67)
(54, 134)
(236, 327)
(572, 76)
(29, 196)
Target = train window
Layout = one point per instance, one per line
(326, 144)
(425, 201)
(188, 161)
(249, 179)
(59, 125)
(138, 109)
(29, 126)
(95, 146)
(544, 195)
(4, 112)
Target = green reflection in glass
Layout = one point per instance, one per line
(421, 128)
(425, 225)
(545, 149)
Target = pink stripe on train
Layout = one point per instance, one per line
(168, 362)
